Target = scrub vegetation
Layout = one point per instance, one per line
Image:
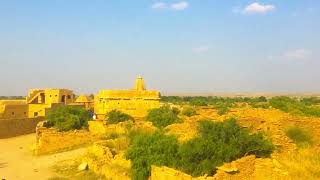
(299, 135)
(302, 107)
(218, 142)
(163, 116)
(65, 118)
(189, 111)
(115, 116)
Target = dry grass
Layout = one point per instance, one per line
(68, 170)
(300, 136)
(304, 164)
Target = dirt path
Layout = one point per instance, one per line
(17, 161)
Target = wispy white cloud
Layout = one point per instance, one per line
(173, 6)
(258, 8)
(254, 8)
(159, 5)
(180, 6)
(298, 54)
(200, 49)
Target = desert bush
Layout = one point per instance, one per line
(112, 136)
(198, 102)
(263, 105)
(172, 99)
(163, 116)
(221, 110)
(151, 149)
(217, 143)
(116, 116)
(189, 111)
(220, 142)
(175, 110)
(210, 100)
(311, 101)
(66, 118)
(299, 135)
(295, 107)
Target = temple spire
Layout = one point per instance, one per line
(139, 85)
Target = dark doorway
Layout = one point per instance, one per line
(63, 98)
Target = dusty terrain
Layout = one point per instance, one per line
(287, 161)
(17, 161)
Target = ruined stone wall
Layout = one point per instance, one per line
(16, 127)
(164, 173)
(101, 129)
(105, 161)
(49, 140)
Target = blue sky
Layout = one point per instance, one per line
(178, 46)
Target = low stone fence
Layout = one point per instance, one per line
(164, 173)
(15, 127)
(100, 128)
(103, 161)
(49, 140)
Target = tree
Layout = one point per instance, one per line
(151, 149)
(189, 111)
(163, 116)
(66, 118)
(218, 142)
(116, 116)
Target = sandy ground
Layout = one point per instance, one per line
(17, 161)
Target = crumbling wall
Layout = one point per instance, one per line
(248, 167)
(16, 127)
(103, 161)
(164, 173)
(49, 140)
(99, 128)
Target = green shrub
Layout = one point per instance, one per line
(172, 99)
(115, 116)
(263, 105)
(222, 110)
(217, 143)
(151, 149)
(299, 135)
(198, 102)
(66, 118)
(112, 136)
(175, 110)
(295, 107)
(189, 111)
(220, 142)
(163, 116)
(311, 101)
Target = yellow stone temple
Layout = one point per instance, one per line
(135, 102)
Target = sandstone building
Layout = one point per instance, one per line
(37, 103)
(135, 102)
(84, 101)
